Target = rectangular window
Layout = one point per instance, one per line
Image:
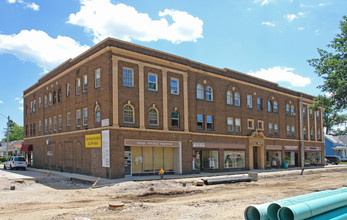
(234, 159)
(200, 122)
(85, 83)
(78, 86)
(209, 122)
(45, 104)
(39, 126)
(78, 118)
(249, 101)
(237, 125)
(55, 123)
(250, 123)
(261, 125)
(85, 116)
(293, 131)
(288, 130)
(270, 129)
(97, 78)
(45, 126)
(128, 77)
(230, 124)
(260, 104)
(174, 86)
(50, 125)
(152, 82)
(40, 102)
(68, 119)
(50, 99)
(311, 114)
(175, 119)
(31, 107)
(276, 129)
(317, 113)
(60, 122)
(68, 90)
(34, 107)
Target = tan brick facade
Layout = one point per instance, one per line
(214, 144)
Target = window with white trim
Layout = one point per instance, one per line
(261, 125)
(55, 123)
(85, 117)
(174, 83)
(128, 114)
(199, 92)
(97, 78)
(68, 119)
(175, 119)
(153, 117)
(230, 124)
(237, 125)
(85, 83)
(60, 122)
(209, 122)
(97, 114)
(128, 77)
(229, 98)
(276, 129)
(78, 118)
(275, 107)
(237, 99)
(152, 82)
(249, 101)
(78, 86)
(209, 93)
(250, 123)
(270, 129)
(200, 121)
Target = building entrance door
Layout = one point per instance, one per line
(127, 161)
(255, 158)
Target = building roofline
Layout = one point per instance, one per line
(112, 42)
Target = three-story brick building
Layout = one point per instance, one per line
(122, 109)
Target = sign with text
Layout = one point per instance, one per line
(93, 140)
(151, 143)
(105, 148)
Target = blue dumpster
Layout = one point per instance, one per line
(285, 165)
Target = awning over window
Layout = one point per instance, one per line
(27, 148)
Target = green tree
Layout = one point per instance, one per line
(332, 67)
(331, 117)
(16, 132)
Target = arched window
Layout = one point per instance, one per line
(50, 99)
(229, 98)
(269, 106)
(59, 95)
(97, 114)
(275, 107)
(128, 114)
(209, 94)
(199, 92)
(153, 116)
(175, 119)
(237, 99)
(292, 110)
(287, 109)
(54, 97)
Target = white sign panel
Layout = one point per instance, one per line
(105, 122)
(105, 144)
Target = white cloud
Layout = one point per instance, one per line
(291, 17)
(103, 19)
(19, 100)
(267, 23)
(281, 74)
(36, 46)
(21, 108)
(1, 102)
(262, 2)
(30, 5)
(301, 28)
(317, 32)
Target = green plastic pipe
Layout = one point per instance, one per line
(312, 208)
(337, 214)
(257, 212)
(273, 208)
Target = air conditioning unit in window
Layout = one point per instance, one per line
(293, 114)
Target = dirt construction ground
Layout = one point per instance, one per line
(58, 198)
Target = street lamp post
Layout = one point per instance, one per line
(8, 132)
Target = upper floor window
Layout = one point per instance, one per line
(200, 121)
(128, 77)
(287, 109)
(209, 94)
(60, 122)
(54, 97)
(50, 99)
(68, 90)
(50, 125)
(249, 101)
(78, 86)
(293, 131)
(40, 127)
(97, 114)
(237, 99)
(318, 134)
(31, 107)
(237, 125)
(317, 113)
(78, 118)
(250, 123)
(209, 122)
(97, 78)
(174, 83)
(312, 134)
(304, 112)
(304, 133)
(85, 83)
(128, 114)
(85, 116)
(276, 129)
(39, 102)
(175, 119)
(259, 103)
(275, 107)
(311, 114)
(269, 106)
(153, 117)
(261, 125)
(229, 98)
(270, 129)
(230, 124)
(46, 125)
(288, 130)
(55, 123)
(59, 95)
(292, 110)
(68, 119)
(199, 92)
(34, 106)
(152, 82)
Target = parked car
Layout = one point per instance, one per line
(15, 162)
(333, 159)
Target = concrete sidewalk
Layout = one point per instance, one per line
(188, 177)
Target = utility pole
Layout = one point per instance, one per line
(302, 151)
(8, 134)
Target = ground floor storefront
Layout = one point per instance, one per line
(116, 153)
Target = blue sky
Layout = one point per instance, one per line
(270, 39)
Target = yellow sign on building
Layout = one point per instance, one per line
(93, 140)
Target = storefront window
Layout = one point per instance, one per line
(290, 158)
(273, 159)
(196, 160)
(313, 158)
(234, 159)
(210, 159)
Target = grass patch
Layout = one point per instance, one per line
(343, 162)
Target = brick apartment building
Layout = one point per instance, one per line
(122, 109)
